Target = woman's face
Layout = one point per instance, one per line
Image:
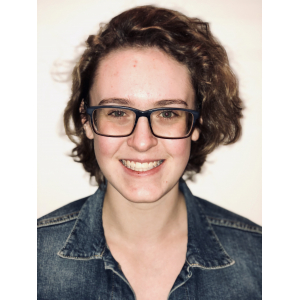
(140, 78)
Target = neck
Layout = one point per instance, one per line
(143, 223)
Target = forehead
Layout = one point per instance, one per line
(142, 76)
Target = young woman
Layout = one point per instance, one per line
(152, 95)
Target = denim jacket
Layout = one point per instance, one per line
(223, 259)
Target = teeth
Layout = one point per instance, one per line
(141, 167)
(132, 165)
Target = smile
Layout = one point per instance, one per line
(141, 167)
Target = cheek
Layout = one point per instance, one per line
(105, 148)
(179, 149)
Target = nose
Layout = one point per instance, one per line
(142, 138)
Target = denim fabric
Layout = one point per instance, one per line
(223, 259)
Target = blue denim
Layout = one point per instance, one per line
(223, 259)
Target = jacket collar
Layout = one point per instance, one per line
(86, 240)
(204, 249)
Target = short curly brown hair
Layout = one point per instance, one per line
(190, 42)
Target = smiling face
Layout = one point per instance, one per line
(142, 167)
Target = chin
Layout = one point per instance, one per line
(143, 195)
(141, 192)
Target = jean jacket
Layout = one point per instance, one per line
(223, 258)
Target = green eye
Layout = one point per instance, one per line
(167, 114)
(118, 113)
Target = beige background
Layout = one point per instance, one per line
(230, 178)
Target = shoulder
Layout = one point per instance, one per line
(54, 229)
(219, 216)
(240, 237)
(63, 214)
(235, 242)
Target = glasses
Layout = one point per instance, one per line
(120, 121)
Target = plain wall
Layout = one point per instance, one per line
(231, 177)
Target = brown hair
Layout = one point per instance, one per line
(187, 40)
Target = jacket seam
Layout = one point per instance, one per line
(182, 283)
(96, 256)
(211, 268)
(234, 224)
(58, 220)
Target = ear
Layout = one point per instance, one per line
(88, 130)
(85, 123)
(196, 132)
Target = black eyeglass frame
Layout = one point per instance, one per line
(139, 113)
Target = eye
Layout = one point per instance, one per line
(167, 114)
(118, 113)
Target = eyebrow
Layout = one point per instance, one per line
(123, 101)
(169, 102)
(115, 101)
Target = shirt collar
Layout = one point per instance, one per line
(86, 240)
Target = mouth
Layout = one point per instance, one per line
(141, 167)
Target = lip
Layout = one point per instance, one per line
(143, 173)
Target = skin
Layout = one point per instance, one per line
(144, 214)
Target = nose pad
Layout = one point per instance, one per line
(142, 138)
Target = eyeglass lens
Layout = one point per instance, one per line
(164, 123)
